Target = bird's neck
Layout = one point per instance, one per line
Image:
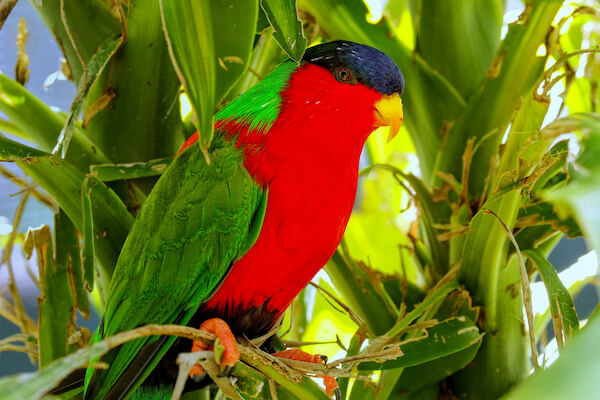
(321, 127)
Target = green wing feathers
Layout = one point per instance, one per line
(197, 221)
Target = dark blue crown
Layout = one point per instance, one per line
(370, 66)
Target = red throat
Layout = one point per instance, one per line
(308, 160)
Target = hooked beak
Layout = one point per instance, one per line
(388, 112)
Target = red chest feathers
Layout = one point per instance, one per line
(309, 162)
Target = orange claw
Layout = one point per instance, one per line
(296, 354)
(221, 330)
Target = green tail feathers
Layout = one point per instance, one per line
(162, 392)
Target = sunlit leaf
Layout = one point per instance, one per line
(208, 61)
(564, 315)
(115, 172)
(579, 362)
(91, 73)
(447, 337)
(64, 182)
(287, 27)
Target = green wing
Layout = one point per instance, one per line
(197, 221)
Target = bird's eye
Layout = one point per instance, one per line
(343, 74)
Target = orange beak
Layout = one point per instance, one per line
(388, 112)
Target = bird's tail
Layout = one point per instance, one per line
(151, 392)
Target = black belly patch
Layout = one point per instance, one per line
(249, 322)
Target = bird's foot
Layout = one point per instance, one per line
(331, 386)
(225, 340)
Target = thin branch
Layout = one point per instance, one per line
(353, 316)
(22, 183)
(24, 321)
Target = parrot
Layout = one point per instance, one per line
(226, 243)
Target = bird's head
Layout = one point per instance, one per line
(356, 64)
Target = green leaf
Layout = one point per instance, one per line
(200, 53)
(64, 182)
(233, 45)
(564, 315)
(430, 100)
(543, 213)
(573, 376)
(287, 27)
(465, 39)
(115, 172)
(79, 27)
(89, 251)
(360, 294)
(91, 73)
(446, 338)
(56, 303)
(516, 69)
(432, 298)
(456, 304)
(142, 119)
(580, 196)
(431, 372)
(33, 386)
(68, 257)
(263, 60)
(42, 125)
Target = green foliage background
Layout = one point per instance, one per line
(428, 261)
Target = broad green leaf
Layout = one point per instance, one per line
(432, 298)
(580, 196)
(89, 251)
(207, 61)
(456, 304)
(64, 182)
(56, 304)
(79, 27)
(115, 172)
(189, 33)
(551, 170)
(42, 125)
(464, 41)
(68, 257)
(142, 119)
(431, 372)
(360, 294)
(515, 70)
(233, 44)
(91, 73)
(33, 386)
(263, 60)
(543, 213)
(287, 26)
(573, 376)
(446, 338)
(488, 272)
(430, 100)
(523, 156)
(564, 315)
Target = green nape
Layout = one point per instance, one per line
(147, 392)
(259, 106)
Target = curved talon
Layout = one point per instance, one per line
(221, 330)
(331, 386)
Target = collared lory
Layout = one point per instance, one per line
(238, 239)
